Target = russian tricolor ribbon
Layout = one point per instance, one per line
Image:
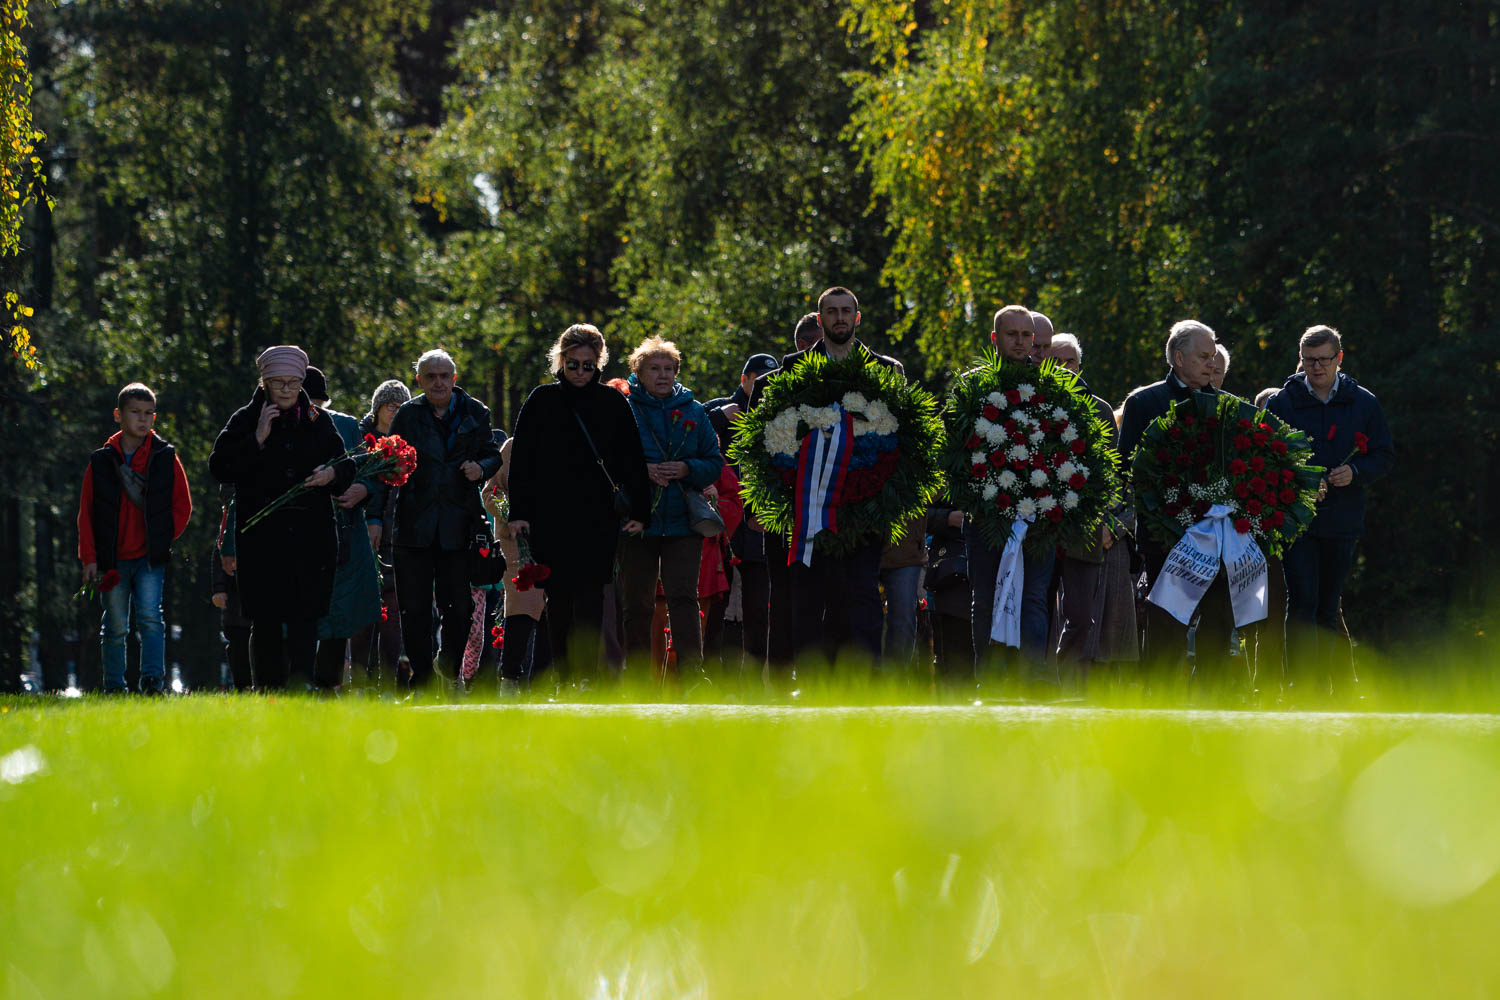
(822, 461)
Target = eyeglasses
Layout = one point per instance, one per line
(573, 366)
(1319, 362)
(283, 384)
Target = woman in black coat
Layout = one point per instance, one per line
(562, 498)
(286, 562)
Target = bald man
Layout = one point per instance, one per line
(1041, 341)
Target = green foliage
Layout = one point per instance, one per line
(818, 381)
(21, 177)
(984, 386)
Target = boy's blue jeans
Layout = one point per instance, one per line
(139, 587)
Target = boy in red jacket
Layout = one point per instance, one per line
(135, 504)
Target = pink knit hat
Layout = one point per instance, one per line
(285, 361)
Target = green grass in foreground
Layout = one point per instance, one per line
(246, 847)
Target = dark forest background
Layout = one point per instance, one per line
(369, 179)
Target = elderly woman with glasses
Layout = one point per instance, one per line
(286, 561)
(577, 482)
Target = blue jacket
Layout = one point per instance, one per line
(667, 440)
(1352, 409)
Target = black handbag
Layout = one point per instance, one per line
(486, 564)
(618, 497)
(947, 565)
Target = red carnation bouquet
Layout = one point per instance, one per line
(1218, 449)
(532, 572)
(389, 459)
(103, 585)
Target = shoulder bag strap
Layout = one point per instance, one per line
(589, 438)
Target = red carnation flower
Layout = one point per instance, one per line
(1333, 429)
(1279, 447)
(1078, 446)
(1013, 396)
(1287, 475)
(109, 581)
(1203, 437)
(1287, 496)
(1257, 486)
(1279, 518)
(1059, 457)
(1242, 490)
(1016, 437)
(1175, 433)
(1162, 455)
(1018, 464)
(1261, 437)
(1253, 507)
(1188, 420)
(1243, 424)
(689, 424)
(1055, 514)
(1076, 480)
(1045, 425)
(973, 443)
(1038, 399)
(369, 440)
(1172, 509)
(978, 471)
(1361, 442)
(1242, 525)
(1241, 442)
(1238, 467)
(991, 412)
(1184, 460)
(997, 458)
(1257, 464)
(1267, 523)
(1212, 422)
(1039, 462)
(1170, 479)
(1010, 425)
(1002, 500)
(676, 415)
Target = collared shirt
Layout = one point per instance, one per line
(1332, 391)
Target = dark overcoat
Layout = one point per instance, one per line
(286, 562)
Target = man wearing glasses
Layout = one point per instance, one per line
(438, 511)
(1350, 438)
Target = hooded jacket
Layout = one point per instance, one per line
(1332, 426)
(675, 429)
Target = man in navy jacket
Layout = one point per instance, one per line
(1350, 438)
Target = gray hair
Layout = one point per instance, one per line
(389, 391)
(1068, 340)
(432, 357)
(1182, 332)
(1223, 353)
(1317, 336)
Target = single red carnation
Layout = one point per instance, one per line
(1257, 486)
(1172, 509)
(1287, 475)
(1184, 460)
(1170, 479)
(542, 572)
(1241, 442)
(1200, 507)
(1175, 433)
(1013, 396)
(978, 470)
(973, 443)
(1055, 514)
(1188, 420)
(1267, 523)
(1253, 507)
(1078, 447)
(1039, 462)
(109, 581)
(1243, 424)
(1242, 490)
(1261, 437)
(1362, 442)
(369, 440)
(1162, 455)
(1279, 447)
(1257, 464)
(1287, 496)
(1002, 500)
(1038, 399)
(997, 458)
(1076, 481)
(991, 412)
(1016, 437)
(1237, 467)
(1010, 425)
(1279, 518)
(1333, 430)
(1242, 525)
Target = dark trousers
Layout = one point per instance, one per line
(953, 650)
(237, 647)
(271, 655)
(781, 645)
(575, 622)
(527, 650)
(1080, 600)
(643, 560)
(379, 645)
(836, 602)
(1315, 570)
(419, 574)
(328, 666)
(1166, 637)
(755, 598)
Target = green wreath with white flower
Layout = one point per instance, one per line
(892, 470)
(1025, 443)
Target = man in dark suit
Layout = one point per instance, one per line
(1192, 353)
(836, 600)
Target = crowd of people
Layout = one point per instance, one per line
(599, 494)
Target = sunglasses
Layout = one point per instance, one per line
(573, 366)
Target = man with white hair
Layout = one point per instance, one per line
(1192, 353)
(438, 512)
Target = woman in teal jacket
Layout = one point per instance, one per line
(682, 450)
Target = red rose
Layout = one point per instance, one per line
(1362, 442)
(1333, 429)
(1257, 486)
(1242, 525)
(1055, 514)
(1237, 467)
(1002, 500)
(1076, 480)
(973, 443)
(1253, 507)
(979, 471)
(1279, 447)
(1287, 475)
(1258, 464)
(1013, 396)
(997, 458)
(1287, 496)
(1078, 446)
(991, 412)
(1241, 442)
(1171, 480)
(1267, 523)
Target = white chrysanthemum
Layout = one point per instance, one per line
(1069, 435)
(1037, 436)
(982, 426)
(856, 402)
(1019, 453)
(1026, 390)
(997, 398)
(1026, 508)
(1038, 477)
(781, 434)
(1008, 479)
(1066, 470)
(882, 420)
(978, 458)
(1070, 500)
(1019, 416)
(1046, 503)
(990, 491)
(1058, 413)
(995, 435)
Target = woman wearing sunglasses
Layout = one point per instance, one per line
(577, 482)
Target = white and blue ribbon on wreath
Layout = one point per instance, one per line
(1193, 564)
(1005, 622)
(821, 463)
